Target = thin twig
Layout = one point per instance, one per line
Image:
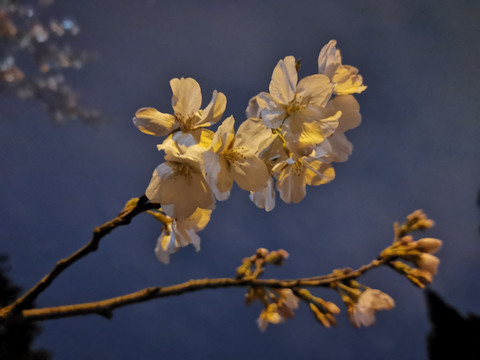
(98, 233)
(106, 307)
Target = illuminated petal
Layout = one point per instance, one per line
(315, 90)
(291, 185)
(318, 173)
(253, 109)
(224, 136)
(183, 187)
(180, 141)
(161, 173)
(329, 59)
(165, 246)
(308, 128)
(362, 316)
(250, 173)
(341, 148)
(198, 220)
(265, 197)
(187, 96)
(370, 300)
(350, 109)
(348, 81)
(284, 81)
(214, 110)
(218, 175)
(254, 135)
(152, 122)
(272, 112)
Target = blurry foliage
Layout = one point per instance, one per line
(34, 54)
(16, 336)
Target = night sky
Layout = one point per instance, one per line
(417, 148)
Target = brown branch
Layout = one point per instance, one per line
(99, 232)
(106, 307)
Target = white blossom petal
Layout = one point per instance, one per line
(291, 185)
(318, 173)
(329, 59)
(370, 300)
(224, 136)
(165, 245)
(214, 110)
(284, 81)
(187, 96)
(253, 109)
(351, 117)
(152, 122)
(265, 197)
(254, 135)
(182, 186)
(272, 112)
(308, 128)
(341, 148)
(347, 80)
(315, 89)
(250, 173)
(218, 175)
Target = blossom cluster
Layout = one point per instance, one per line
(290, 137)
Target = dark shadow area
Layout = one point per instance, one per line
(16, 337)
(453, 336)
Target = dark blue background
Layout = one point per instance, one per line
(418, 147)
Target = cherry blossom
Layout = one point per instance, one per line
(180, 233)
(180, 185)
(280, 310)
(186, 103)
(345, 78)
(371, 300)
(296, 172)
(296, 107)
(233, 157)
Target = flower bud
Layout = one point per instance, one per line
(406, 239)
(423, 276)
(262, 252)
(277, 257)
(320, 316)
(428, 245)
(425, 224)
(428, 262)
(331, 307)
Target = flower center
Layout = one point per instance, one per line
(185, 122)
(296, 105)
(183, 170)
(298, 167)
(232, 155)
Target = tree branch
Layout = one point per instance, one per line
(106, 307)
(99, 232)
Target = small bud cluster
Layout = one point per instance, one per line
(362, 302)
(324, 311)
(279, 303)
(254, 266)
(419, 252)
